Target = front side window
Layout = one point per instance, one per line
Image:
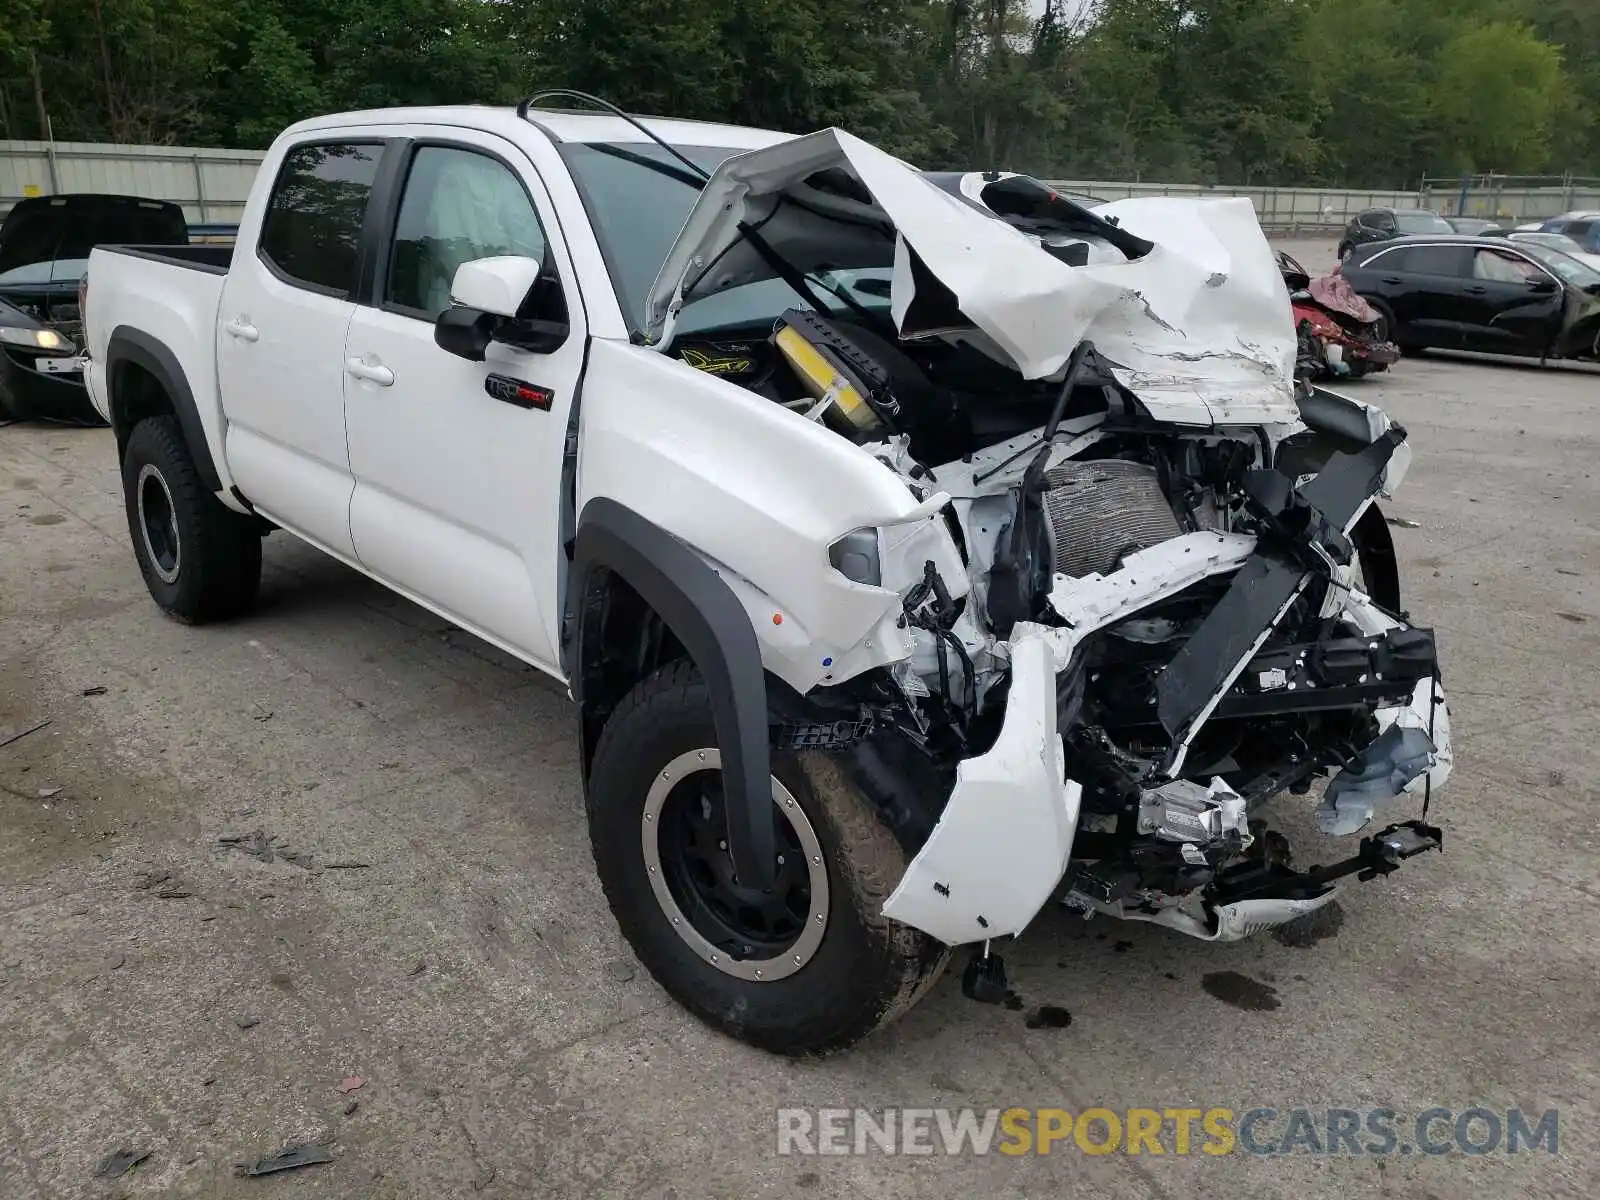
(312, 229)
(458, 205)
(1499, 267)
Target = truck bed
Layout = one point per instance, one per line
(165, 297)
(196, 257)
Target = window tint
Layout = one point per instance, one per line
(1579, 229)
(457, 206)
(1423, 260)
(312, 230)
(1500, 267)
(1422, 222)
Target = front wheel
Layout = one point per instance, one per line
(809, 966)
(199, 558)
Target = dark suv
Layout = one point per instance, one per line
(1381, 224)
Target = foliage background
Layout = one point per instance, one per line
(1353, 92)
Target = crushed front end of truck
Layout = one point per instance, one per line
(1140, 587)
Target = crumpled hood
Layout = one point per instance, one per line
(1200, 326)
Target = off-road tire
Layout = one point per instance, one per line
(218, 564)
(867, 971)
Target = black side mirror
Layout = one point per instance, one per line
(1543, 285)
(464, 332)
(467, 332)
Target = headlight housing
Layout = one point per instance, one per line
(36, 339)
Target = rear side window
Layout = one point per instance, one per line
(312, 230)
(1420, 260)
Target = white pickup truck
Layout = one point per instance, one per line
(919, 550)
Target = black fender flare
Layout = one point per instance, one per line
(129, 345)
(707, 618)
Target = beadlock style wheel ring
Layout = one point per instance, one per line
(162, 545)
(694, 883)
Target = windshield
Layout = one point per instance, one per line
(1564, 265)
(639, 197)
(1422, 222)
(1553, 241)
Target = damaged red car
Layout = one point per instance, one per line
(1340, 334)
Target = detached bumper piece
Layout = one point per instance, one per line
(1384, 851)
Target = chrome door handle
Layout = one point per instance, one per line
(240, 328)
(371, 372)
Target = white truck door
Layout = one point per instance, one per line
(457, 463)
(286, 306)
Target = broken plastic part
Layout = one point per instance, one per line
(1378, 775)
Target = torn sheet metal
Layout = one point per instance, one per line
(1200, 327)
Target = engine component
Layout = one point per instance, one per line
(826, 379)
(1099, 512)
(1187, 812)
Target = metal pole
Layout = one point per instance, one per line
(199, 187)
(50, 157)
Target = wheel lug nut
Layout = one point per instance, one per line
(722, 845)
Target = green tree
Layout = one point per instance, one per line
(1498, 92)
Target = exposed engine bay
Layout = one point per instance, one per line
(1134, 615)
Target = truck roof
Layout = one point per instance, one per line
(566, 125)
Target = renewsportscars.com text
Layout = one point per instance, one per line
(1178, 1131)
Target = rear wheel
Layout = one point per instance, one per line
(805, 967)
(200, 559)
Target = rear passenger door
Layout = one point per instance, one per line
(285, 308)
(1425, 287)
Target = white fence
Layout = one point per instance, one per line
(211, 185)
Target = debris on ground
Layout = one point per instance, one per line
(247, 1022)
(173, 893)
(620, 971)
(306, 1154)
(352, 1084)
(265, 848)
(17, 737)
(119, 1163)
(1575, 618)
(346, 866)
(98, 689)
(1403, 523)
(46, 792)
(350, 1107)
(422, 965)
(259, 713)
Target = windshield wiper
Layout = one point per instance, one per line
(587, 98)
(652, 164)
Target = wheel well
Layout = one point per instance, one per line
(136, 394)
(623, 641)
